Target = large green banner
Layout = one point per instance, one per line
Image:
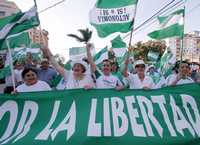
(168, 116)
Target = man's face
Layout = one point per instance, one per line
(106, 68)
(45, 65)
(184, 69)
(140, 68)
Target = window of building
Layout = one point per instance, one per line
(2, 13)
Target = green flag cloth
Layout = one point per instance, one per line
(110, 16)
(152, 56)
(119, 48)
(17, 23)
(167, 62)
(77, 53)
(101, 55)
(170, 26)
(20, 53)
(4, 71)
(21, 40)
(167, 116)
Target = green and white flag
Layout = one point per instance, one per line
(170, 26)
(101, 55)
(21, 40)
(167, 62)
(119, 48)
(110, 16)
(20, 53)
(77, 53)
(152, 56)
(17, 23)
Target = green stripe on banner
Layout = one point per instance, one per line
(174, 30)
(102, 117)
(114, 3)
(106, 29)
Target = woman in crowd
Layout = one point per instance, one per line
(76, 78)
(31, 82)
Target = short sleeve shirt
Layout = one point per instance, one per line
(39, 86)
(108, 82)
(72, 83)
(135, 83)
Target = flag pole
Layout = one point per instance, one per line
(131, 35)
(182, 37)
(41, 34)
(11, 65)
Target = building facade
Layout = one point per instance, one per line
(191, 47)
(39, 36)
(7, 8)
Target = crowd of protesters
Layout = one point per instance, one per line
(31, 76)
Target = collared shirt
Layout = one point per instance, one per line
(108, 82)
(134, 82)
(170, 79)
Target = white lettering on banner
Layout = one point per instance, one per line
(68, 123)
(45, 133)
(11, 108)
(137, 129)
(118, 113)
(106, 117)
(160, 100)
(149, 116)
(27, 118)
(94, 129)
(189, 100)
(179, 119)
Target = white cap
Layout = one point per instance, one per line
(139, 62)
(83, 63)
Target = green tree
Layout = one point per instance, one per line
(141, 49)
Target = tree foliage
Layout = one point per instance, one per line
(140, 49)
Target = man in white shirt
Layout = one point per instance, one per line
(182, 77)
(138, 80)
(107, 80)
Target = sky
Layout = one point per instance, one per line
(72, 15)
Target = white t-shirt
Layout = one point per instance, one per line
(135, 83)
(18, 75)
(72, 83)
(108, 82)
(39, 86)
(170, 79)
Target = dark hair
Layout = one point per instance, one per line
(83, 67)
(107, 60)
(26, 70)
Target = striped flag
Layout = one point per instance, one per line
(17, 23)
(170, 26)
(110, 16)
(119, 48)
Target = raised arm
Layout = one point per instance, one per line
(46, 51)
(125, 70)
(90, 58)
